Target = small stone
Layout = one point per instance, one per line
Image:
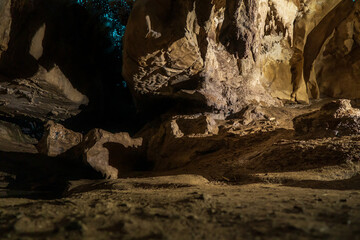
(57, 139)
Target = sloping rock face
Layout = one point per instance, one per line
(228, 54)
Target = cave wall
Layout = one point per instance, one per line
(335, 70)
(227, 54)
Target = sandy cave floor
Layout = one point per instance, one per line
(187, 207)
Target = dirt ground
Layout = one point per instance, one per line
(188, 207)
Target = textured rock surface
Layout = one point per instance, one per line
(258, 139)
(337, 118)
(12, 139)
(46, 95)
(57, 139)
(336, 68)
(110, 153)
(5, 24)
(231, 53)
(179, 134)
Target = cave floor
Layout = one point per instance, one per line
(187, 207)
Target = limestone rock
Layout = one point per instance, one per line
(110, 153)
(228, 54)
(5, 23)
(337, 118)
(57, 139)
(46, 95)
(335, 70)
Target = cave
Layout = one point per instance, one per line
(179, 119)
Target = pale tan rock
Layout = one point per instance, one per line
(55, 78)
(110, 153)
(5, 25)
(335, 71)
(36, 46)
(57, 139)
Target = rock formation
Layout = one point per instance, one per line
(232, 53)
(110, 153)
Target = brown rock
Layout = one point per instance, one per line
(5, 23)
(229, 54)
(210, 51)
(335, 70)
(180, 138)
(192, 125)
(57, 139)
(110, 153)
(337, 118)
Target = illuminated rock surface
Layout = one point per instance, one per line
(231, 53)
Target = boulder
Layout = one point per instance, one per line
(111, 154)
(334, 119)
(57, 139)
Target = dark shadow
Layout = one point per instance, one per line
(41, 177)
(352, 183)
(126, 159)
